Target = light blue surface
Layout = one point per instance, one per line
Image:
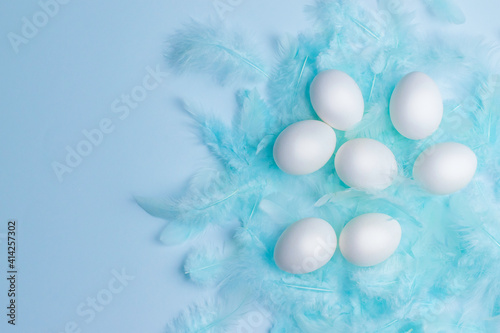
(73, 234)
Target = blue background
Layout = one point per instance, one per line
(74, 233)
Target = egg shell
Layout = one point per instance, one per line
(445, 167)
(366, 164)
(305, 246)
(416, 106)
(337, 99)
(304, 147)
(369, 239)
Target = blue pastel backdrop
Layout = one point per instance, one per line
(76, 234)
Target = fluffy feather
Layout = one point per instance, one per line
(446, 10)
(224, 53)
(209, 196)
(205, 265)
(229, 313)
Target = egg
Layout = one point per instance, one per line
(416, 106)
(366, 164)
(369, 239)
(304, 147)
(445, 167)
(305, 246)
(337, 99)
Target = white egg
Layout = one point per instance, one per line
(305, 246)
(366, 164)
(337, 99)
(369, 239)
(445, 167)
(416, 106)
(304, 147)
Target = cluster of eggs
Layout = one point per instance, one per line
(416, 110)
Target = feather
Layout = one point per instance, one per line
(223, 53)
(208, 197)
(286, 86)
(211, 316)
(205, 265)
(446, 11)
(235, 312)
(226, 146)
(252, 119)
